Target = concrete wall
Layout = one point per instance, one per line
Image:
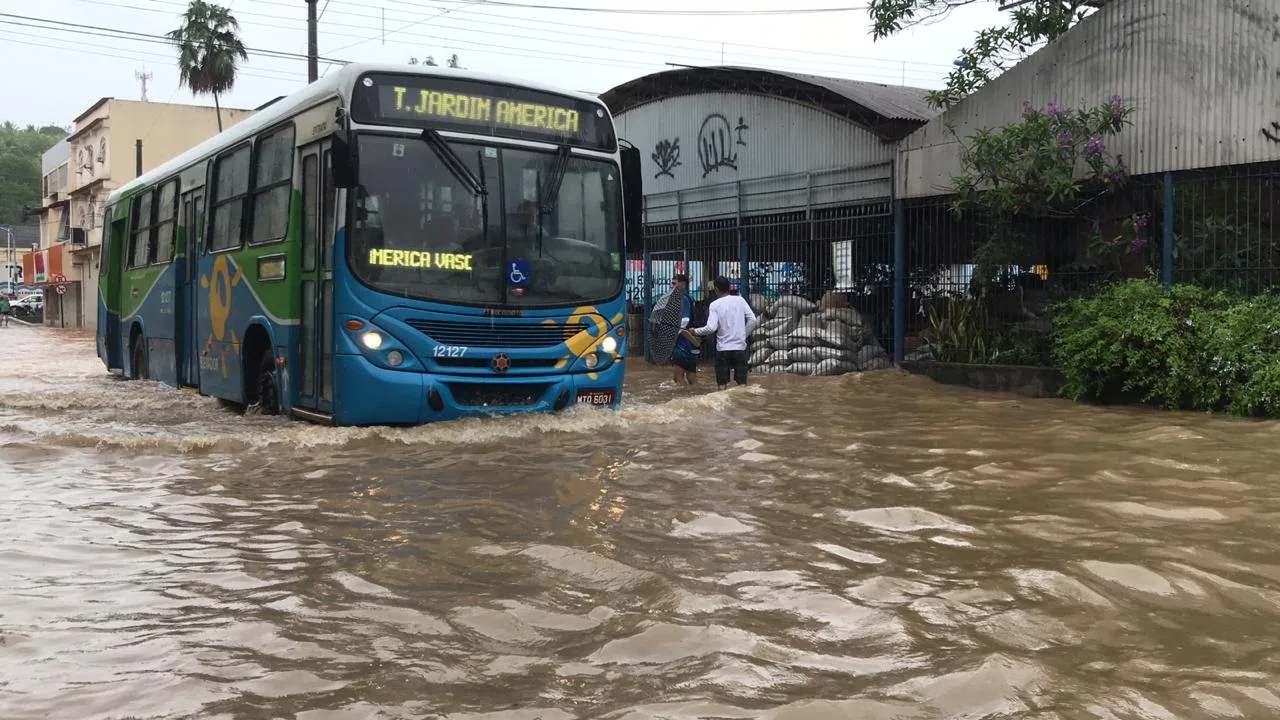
(165, 129)
(1203, 76)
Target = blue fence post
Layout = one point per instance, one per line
(899, 280)
(1166, 241)
(647, 269)
(744, 261)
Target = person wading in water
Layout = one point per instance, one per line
(684, 358)
(732, 320)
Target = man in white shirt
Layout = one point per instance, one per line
(731, 319)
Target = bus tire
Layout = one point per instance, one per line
(139, 357)
(266, 391)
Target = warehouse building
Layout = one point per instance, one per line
(783, 179)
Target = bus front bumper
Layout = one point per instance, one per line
(370, 395)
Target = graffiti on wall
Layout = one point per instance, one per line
(717, 144)
(1272, 133)
(666, 155)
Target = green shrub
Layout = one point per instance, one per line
(1243, 357)
(1181, 348)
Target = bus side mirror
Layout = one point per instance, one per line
(632, 198)
(344, 161)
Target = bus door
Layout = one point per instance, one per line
(186, 340)
(315, 336)
(113, 255)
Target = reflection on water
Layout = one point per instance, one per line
(869, 546)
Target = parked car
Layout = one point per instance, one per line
(28, 305)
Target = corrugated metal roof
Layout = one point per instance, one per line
(895, 102)
(892, 111)
(1203, 79)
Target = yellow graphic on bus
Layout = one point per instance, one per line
(420, 259)
(219, 283)
(486, 109)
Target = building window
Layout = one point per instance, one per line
(272, 186)
(230, 189)
(166, 220)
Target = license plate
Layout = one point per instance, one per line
(595, 397)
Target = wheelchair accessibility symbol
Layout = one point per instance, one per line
(518, 273)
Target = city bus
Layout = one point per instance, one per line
(390, 245)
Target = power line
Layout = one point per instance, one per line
(533, 54)
(649, 11)
(135, 56)
(596, 29)
(406, 27)
(140, 37)
(898, 71)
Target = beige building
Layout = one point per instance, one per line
(100, 155)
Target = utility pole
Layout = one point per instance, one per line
(312, 45)
(9, 257)
(144, 77)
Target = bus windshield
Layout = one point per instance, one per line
(510, 226)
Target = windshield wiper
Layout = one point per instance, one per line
(453, 162)
(551, 188)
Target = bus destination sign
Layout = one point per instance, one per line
(480, 107)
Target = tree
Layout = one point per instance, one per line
(995, 49)
(20, 173)
(208, 51)
(1028, 171)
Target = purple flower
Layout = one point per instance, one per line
(1055, 111)
(1137, 244)
(1095, 146)
(1140, 221)
(1117, 106)
(1064, 139)
(1028, 110)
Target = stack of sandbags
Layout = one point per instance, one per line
(801, 337)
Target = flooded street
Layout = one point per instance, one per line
(873, 546)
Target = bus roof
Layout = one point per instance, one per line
(316, 92)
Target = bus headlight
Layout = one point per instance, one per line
(592, 361)
(394, 358)
(609, 344)
(372, 340)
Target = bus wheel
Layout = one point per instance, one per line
(139, 358)
(267, 394)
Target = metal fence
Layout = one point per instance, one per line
(1214, 228)
(1224, 228)
(807, 235)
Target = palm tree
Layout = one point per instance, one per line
(208, 51)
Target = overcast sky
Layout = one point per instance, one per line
(52, 75)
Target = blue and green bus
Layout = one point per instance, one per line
(391, 245)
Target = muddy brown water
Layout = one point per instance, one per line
(872, 546)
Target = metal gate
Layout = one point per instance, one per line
(807, 234)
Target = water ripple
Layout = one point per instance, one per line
(870, 546)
